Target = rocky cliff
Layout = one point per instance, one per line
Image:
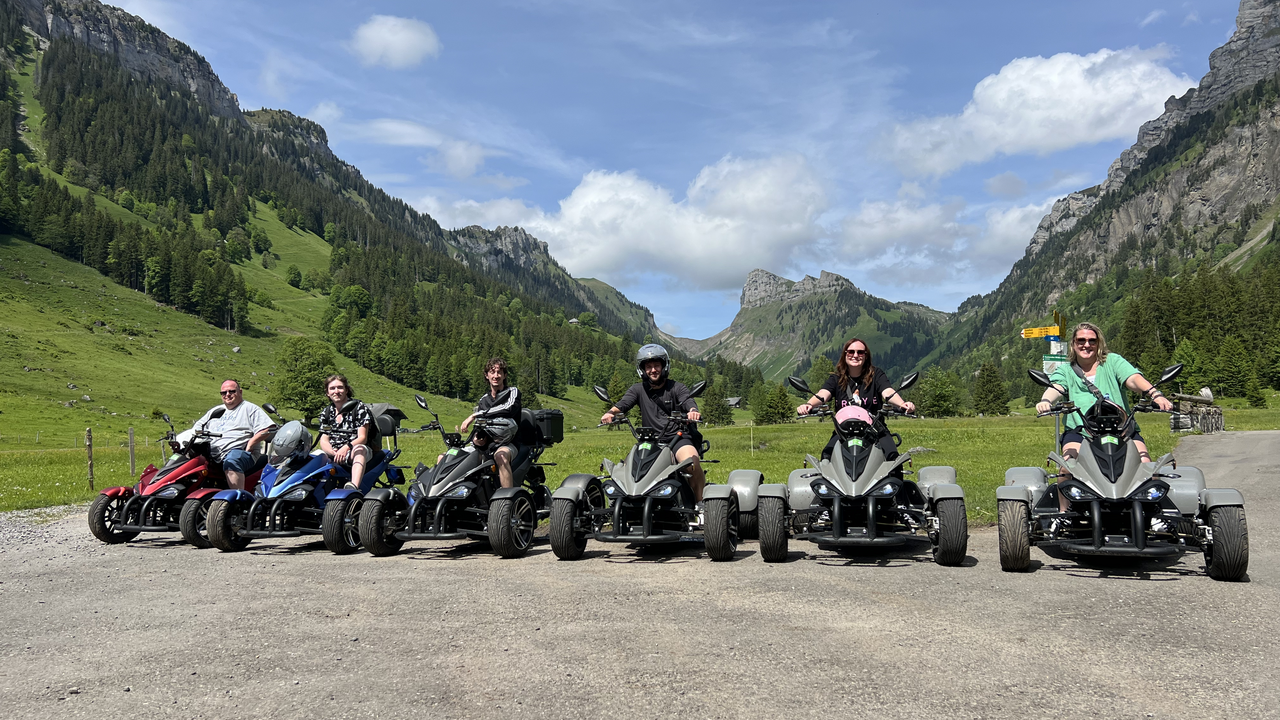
(140, 47)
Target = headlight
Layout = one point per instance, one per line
(823, 489)
(1150, 493)
(612, 490)
(459, 492)
(887, 490)
(665, 490)
(414, 492)
(295, 494)
(169, 492)
(1075, 492)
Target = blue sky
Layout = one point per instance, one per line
(668, 148)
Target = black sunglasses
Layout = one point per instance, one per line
(855, 352)
(229, 392)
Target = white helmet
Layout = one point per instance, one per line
(292, 439)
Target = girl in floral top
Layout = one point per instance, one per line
(347, 437)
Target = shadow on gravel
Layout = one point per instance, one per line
(462, 552)
(659, 554)
(1118, 569)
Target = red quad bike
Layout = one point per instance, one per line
(175, 497)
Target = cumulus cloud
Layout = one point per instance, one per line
(1006, 185)
(1042, 105)
(1151, 17)
(394, 42)
(737, 215)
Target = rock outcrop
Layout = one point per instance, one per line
(141, 48)
(763, 287)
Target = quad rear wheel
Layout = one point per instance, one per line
(1227, 557)
(378, 529)
(953, 532)
(566, 542)
(720, 530)
(1015, 535)
(512, 521)
(193, 523)
(104, 515)
(223, 527)
(774, 533)
(340, 525)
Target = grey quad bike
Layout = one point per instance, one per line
(461, 498)
(859, 498)
(646, 499)
(1115, 504)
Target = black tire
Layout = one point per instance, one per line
(774, 534)
(103, 515)
(749, 524)
(565, 542)
(193, 523)
(511, 524)
(953, 532)
(720, 531)
(340, 524)
(222, 528)
(1227, 557)
(1015, 535)
(377, 534)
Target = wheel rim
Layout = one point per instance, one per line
(523, 521)
(202, 520)
(350, 528)
(110, 513)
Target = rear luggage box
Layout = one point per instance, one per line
(550, 425)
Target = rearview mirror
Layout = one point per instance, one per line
(697, 388)
(800, 385)
(218, 412)
(422, 402)
(1038, 377)
(350, 406)
(908, 381)
(1170, 373)
(270, 408)
(601, 393)
(167, 421)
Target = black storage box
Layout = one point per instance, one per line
(551, 425)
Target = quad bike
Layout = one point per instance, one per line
(860, 498)
(647, 500)
(1115, 504)
(461, 497)
(304, 494)
(174, 497)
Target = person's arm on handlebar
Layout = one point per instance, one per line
(1140, 385)
(818, 399)
(1047, 399)
(891, 397)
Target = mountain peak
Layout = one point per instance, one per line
(763, 287)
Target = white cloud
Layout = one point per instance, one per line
(1006, 185)
(394, 42)
(1151, 17)
(277, 74)
(737, 215)
(1192, 18)
(1042, 105)
(1005, 236)
(326, 113)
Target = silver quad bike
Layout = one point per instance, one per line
(646, 499)
(1108, 503)
(461, 497)
(859, 498)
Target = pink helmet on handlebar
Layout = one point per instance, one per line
(853, 412)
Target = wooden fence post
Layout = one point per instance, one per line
(88, 444)
(133, 471)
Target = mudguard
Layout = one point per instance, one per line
(341, 494)
(777, 490)
(118, 492)
(945, 490)
(203, 494)
(381, 494)
(573, 487)
(747, 484)
(234, 496)
(719, 492)
(1031, 483)
(1185, 490)
(504, 493)
(927, 477)
(1021, 493)
(799, 489)
(1220, 497)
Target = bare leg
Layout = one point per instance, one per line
(1070, 451)
(1142, 451)
(235, 479)
(502, 457)
(359, 457)
(697, 478)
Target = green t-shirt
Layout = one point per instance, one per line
(1112, 374)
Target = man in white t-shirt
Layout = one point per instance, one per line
(242, 426)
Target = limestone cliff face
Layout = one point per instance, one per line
(763, 287)
(142, 48)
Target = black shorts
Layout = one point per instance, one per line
(1074, 436)
(681, 442)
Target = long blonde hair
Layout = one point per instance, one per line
(1071, 344)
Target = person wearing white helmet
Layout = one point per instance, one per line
(489, 407)
(858, 383)
(658, 396)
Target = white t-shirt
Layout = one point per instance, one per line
(236, 427)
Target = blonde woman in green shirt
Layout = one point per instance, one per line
(1109, 373)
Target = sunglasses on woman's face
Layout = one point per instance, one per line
(855, 353)
(1086, 341)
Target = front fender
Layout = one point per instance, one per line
(747, 484)
(511, 492)
(574, 487)
(1021, 493)
(719, 492)
(342, 494)
(118, 492)
(382, 495)
(1220, 497)
(775, 490)
(234, 496)
(945, 490)
(203, 494)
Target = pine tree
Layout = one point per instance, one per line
(303, 366)
(714, 406)
(1234, 369)
(818, 373)
(989, 394)
(938, 393)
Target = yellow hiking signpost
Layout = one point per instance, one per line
(1040, 331)
(1055, 357)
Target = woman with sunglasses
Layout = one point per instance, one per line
(1108, 373)
(857, 381)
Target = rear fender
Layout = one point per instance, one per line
(1185, 489)
(1024, 483)
(1021, 493)
(1220, 497)
(775, 490)
(511, 492)
(118, 492)
(574, 487)
(747, 484)
(233, 496)
(945, 490)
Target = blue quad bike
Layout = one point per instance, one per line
(461, 497)
(303, 494)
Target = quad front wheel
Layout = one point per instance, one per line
(512, 521)
(340, 525)
(721, 528)
(566, 542)
(953, 532)
(104, 515)
(774, 534)
(1227, 557)
(377, 529)
(223, 528)
(1015, 535)
(194, 523)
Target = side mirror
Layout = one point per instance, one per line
(799, 385)
(601, 393)
(218, 412)
(350, 406)
(270, 408)
(1038, 377)
(422, 402)
(697, 388)
(1170, 373)
(167, 421)
(908, 381)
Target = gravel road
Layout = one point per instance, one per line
(157, 629)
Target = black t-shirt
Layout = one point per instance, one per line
(657, 403)
(488, 407)
(870, 397)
